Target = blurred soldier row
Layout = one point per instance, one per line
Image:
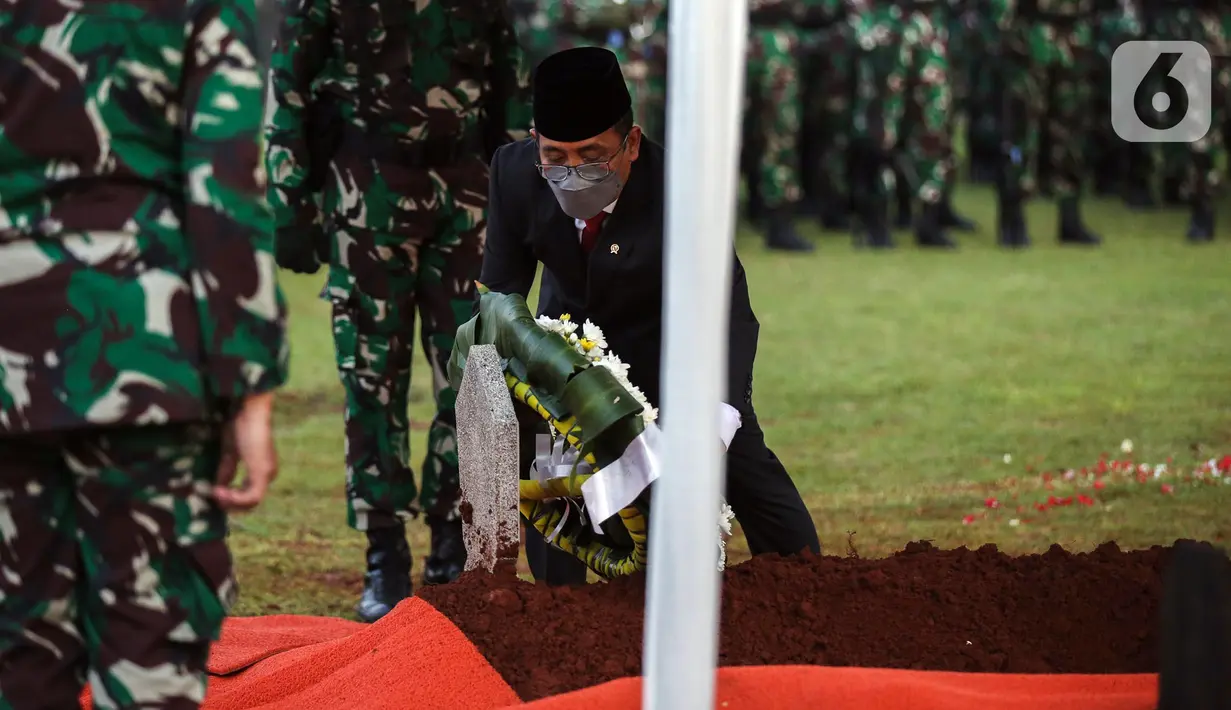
(852, 107)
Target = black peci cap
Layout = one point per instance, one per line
(578, 94)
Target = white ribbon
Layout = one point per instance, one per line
(555, 460)
(617, 485)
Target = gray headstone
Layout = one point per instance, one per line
(488, 460)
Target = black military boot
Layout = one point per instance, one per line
(873, 230)
(950, 219)
(1012, 218)
(929, 232)
(1072, 229)
(387, 581)
(781, 234)
(1201, 224)
(448, 555)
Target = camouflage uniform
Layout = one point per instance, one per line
(772, 111)
(532, 21)
(1110, 158)
(139, 305)
(984, 89)
(902, 105)
(827, 80)
(1047, 52)
(606, 24)
(426, 92)
(653, 118)
(1193, 167)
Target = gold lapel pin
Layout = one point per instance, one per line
(615, 248)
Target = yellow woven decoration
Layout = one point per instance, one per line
(607, 562)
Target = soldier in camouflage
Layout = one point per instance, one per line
(653, 118)
(426, 92)
(620, 27)
(1191, 169)
(1113, 161)
(773, 108)
(142, 333)
(1047, 52)
(984, 90)
(901, 116)
(827, 74)
(532, 22)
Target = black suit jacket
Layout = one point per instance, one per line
(619, 285)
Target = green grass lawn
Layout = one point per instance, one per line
(893, 386)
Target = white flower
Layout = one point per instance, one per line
(1126, 446)
(616, 365)
(725, 516)
(1008, 458)
(594, 334)
(1014, 522)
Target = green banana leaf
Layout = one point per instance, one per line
(566, 383)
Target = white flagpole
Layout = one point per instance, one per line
(706, 49)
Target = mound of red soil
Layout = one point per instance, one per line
(923, 608)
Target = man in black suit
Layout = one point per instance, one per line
(584, 197)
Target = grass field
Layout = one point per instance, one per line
(893, 386)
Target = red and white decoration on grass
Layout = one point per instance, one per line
(1084, 487)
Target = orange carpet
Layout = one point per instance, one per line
(416, 658)
(811, 687)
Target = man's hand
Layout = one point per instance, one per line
(296, 250)
(248, 438)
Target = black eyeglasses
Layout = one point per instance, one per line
(586, 171)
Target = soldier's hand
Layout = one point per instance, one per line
(297, 251)
(248, 439)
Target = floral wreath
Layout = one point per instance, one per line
(589, 489)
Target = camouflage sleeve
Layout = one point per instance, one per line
(510, 79)
(1001, 13)
(227, 222)
(298, 56)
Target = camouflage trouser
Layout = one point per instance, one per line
(1105, 150)
(827, 105)
(1047, 91)
(115, 567)
(772, 87)
(378, 281)
(903, 97)
(653, 120)
(1196, 164)
(632, 65)
(982, 104)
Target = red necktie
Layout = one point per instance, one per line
(589, 233)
